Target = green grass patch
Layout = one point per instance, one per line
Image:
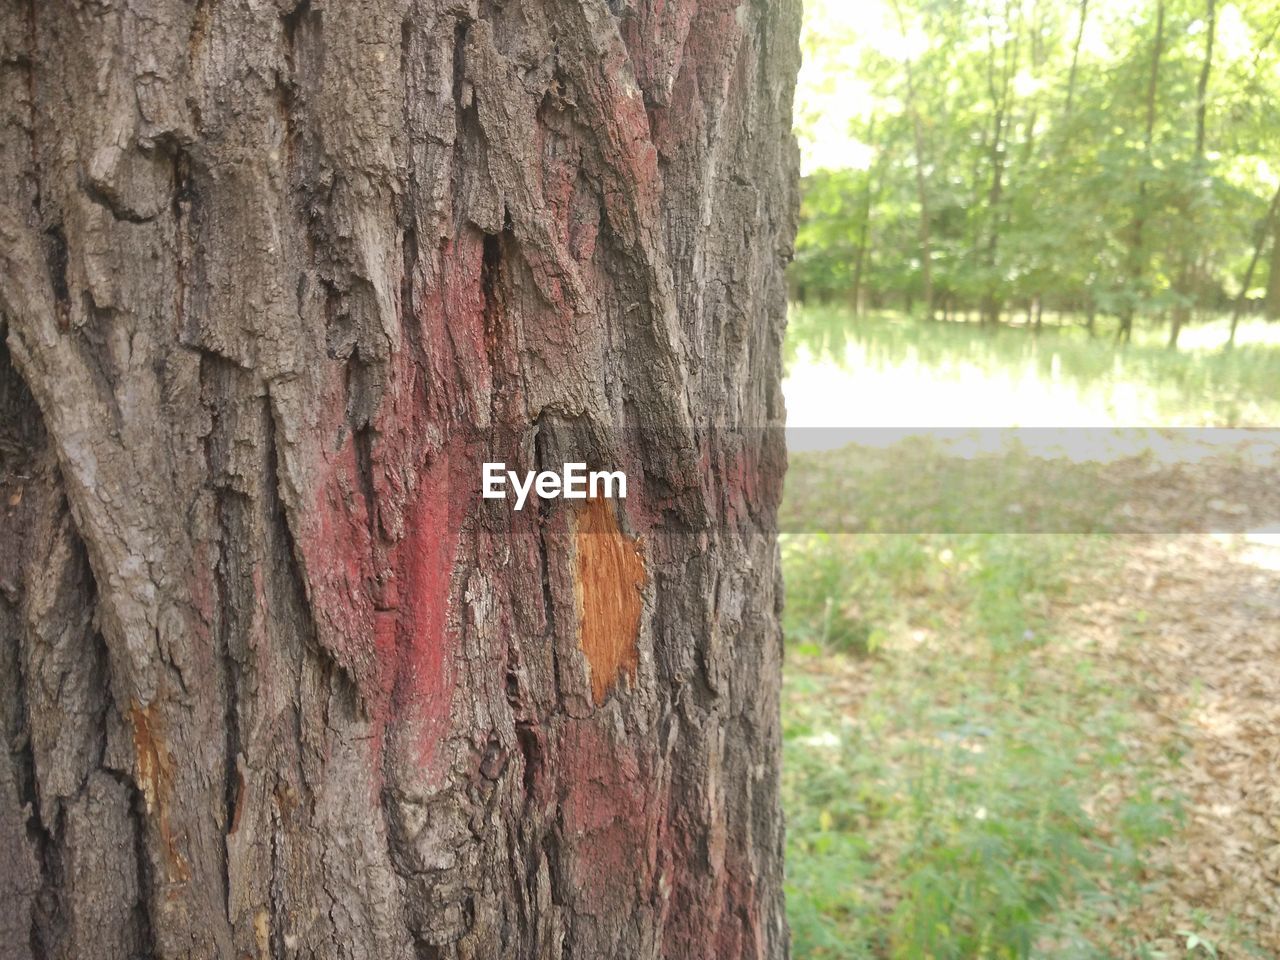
(922, 484)
(945, 790)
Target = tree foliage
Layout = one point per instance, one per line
(1002, 155)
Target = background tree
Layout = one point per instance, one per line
(1182, 310)
(275, 279)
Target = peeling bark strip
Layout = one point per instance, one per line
(276, 278)
(155, 777)
(610, 578)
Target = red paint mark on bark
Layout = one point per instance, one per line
(606, 811)
(450, 379)
(336, 550)
(698, 52)
(421, 668)
(655, 36)
(713, 898)
(381, 542)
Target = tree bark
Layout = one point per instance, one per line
(1265, 229)
(1001, 108)
(1272, 304)
(275, 279)
(1182, 311)
(1137, 256)
(1075, 58)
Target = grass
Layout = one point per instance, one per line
(922, 483)
(944, 752)
(963, 777)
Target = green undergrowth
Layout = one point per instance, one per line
(923, 484)
(958, 777)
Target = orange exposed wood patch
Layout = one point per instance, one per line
(155, 777)
(610, 575)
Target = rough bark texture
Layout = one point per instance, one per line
(274, 279)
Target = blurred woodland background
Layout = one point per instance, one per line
(1032, 695)
(1108, 162)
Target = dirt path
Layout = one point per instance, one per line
(1195, 622)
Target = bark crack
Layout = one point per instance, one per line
(57, 257)
(459, 61)
(274, 888)
(201, 19)
(183, 197)
(231, 670)
(38, 832)
(33, 112)
(278, 513)
(19, 452)
(114, 205)
(544, 572)
(291, 20)
(146, 883)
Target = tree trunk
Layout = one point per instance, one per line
(922, 189)
(275, 280)
(1272, 304)
(1075, 58)
(1002, 107)
(1264, 232)
(1137, 257)
(1191, 210)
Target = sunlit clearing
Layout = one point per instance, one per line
(861, 392)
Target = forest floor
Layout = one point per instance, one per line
(1055, 744)
(1193, 623)
(1033, 675)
